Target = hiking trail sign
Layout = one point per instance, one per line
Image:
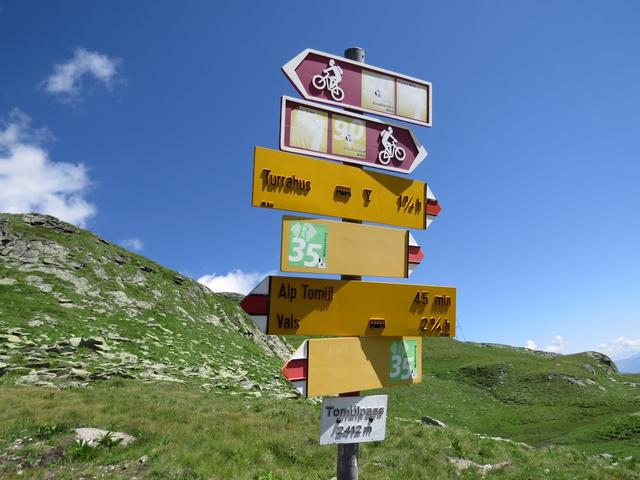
(313, 245)
(346, 83)
(327, 366)
(318, 307)
(287, 181)
(327, 132)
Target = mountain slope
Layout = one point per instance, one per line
(530, 396)
(75, 308)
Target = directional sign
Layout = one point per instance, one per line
(316, 306)
(326, 366)
(353, 419)
(292, 182)
(338, 81)
(323, 246)
(327, 132)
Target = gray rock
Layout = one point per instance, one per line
(604, 361)
(432, 421)
(93, 436)
(49, 222)
(8, 281)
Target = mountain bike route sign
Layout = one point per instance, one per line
(293, 182)
(315, 307)
(326, 132)
(346, 83)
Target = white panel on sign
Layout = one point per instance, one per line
(353, 419)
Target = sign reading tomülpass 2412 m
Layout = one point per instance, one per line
(293, 182)
(314, 306)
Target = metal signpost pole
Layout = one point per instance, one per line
(347, 461)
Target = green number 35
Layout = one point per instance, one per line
(311, 254)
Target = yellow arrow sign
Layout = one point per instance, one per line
(315, 306)
(287, 181)
(323, 246)
(327, 366)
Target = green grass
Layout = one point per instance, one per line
(190, 434)
(227, 433)
(524, 396)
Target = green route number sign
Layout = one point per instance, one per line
(403, 360)
(308, 245)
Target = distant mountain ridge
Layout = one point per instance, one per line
(630, 364)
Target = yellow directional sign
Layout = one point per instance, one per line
(287, 181)
(326, 366)
(316, 306)
(323, 246)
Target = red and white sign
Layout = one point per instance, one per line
(338, 81)
(296, 370)
(415, 254)
(433, 207)
(312, 129)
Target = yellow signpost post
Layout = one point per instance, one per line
(288, 181)
(317, 306)
(327, 366)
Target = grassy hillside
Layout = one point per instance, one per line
(186, 433)
(530, 396)
(92, 335)
(75, 309)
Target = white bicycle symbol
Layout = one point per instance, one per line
(385, 156)
(321, 82)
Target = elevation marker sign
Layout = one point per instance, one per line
(335, 134)
(346, 83)
(287, 181)
(312, 245)
(328, 366)
(319, 307)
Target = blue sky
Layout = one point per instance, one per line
(138, 120)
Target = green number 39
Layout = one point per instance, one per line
(400, 369)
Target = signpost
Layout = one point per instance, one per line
(382, 323)
(311, 245)
(327, 132)
(347, 83)
(287, 181)
(353, 419)
(318, 306)
(327, 366)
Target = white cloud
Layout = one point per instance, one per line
(621, 347)
(531, 345)
(31, 182)
(557, 345)
(236, 281)
(66, 79)
(134, 244)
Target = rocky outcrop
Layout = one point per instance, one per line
(76, 309)
(604, 361)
